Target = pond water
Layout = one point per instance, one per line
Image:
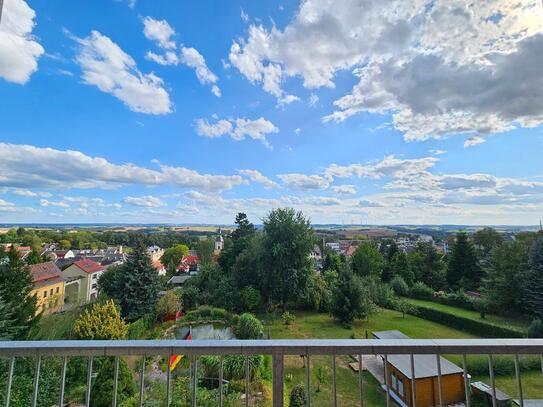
(206, 331)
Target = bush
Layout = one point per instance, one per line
(503, 365)
(102, 386)
(288, 318)
(399, 286)
(250, 298)
(168, 304)
(103, 321)
(140, 328)
(248, 327)
(207, 313)
(421, 290)
(298, 397)
(475, 327)
(535, 330)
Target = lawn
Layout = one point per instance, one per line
(314, 325)
(516, 323)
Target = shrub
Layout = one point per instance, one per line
(168, 304)
(421, 290)
(250, 298)
(103, 321)
(139, 328)
(102, 386)
(288, 318)
(207, 313)
(248, 327)
(298, 397)
(535, 330)
(399, 286)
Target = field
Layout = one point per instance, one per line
(313, 325)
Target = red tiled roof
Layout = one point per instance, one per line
(89, 266)
(190, 259)
(24, 248)
(44, 271)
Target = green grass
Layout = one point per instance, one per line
(515, 323)
(320, 326)
(55, 326)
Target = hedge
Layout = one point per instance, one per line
(479, 328)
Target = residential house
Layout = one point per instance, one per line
(398, 375)
(82, 281)
(155, 253)
(179, 281)
(48, 287)
(159, 267)
(189, 264)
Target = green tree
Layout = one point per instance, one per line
(505, 276)
(102, 386)
(190, 297)
(139, 285)
(34, 257)
(533, 287)
(463, 271)
(16, 284)
(401, 268)
(298, 398)
(9, 328)
(103, 321)
(173, 255)
(486, 240)
(288, 240)
(168, 304)
(205, 251)
(65, 244)
(367, 261)
(239, 241)
(250, 298)
(350, 300)
(109, 282)
(535, 330)
(249, 327)
(428, 266)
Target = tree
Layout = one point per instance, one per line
(464, 271)
(401, 268)
(427, 266)
(190, 297)
(350, 300)
(298, 398)
(173, 255)
(288, 240)
(249, 327)
(487, 239)
(102, 386)
(168, 304)
(505, 276)
(533, 288)
(109, 282)
(139, 285)
(65, 244)
(250, 298)
(33, 257)
(16, 284)
(399, 286)
(367, 260)
(9, 328)
(205, 251)
(103, 321)
(240, 241)
(322, 376)
(535, 330)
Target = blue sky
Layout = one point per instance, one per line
(352, 111)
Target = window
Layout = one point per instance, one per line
(400, 387)
(57, 290)
(45, 294)
(94, 276)
(51, 292)
(394, 380)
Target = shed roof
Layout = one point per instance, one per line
(392, 334)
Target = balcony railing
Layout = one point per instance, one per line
(278, 349)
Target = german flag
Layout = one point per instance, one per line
(175, 359)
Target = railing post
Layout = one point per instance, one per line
(11, 366)
(519, 384)
(89, 383)
(246, 381)
(63, 382)
(492, 380)
(334, 385)
(413, 382)
(36, 382)
(168, 380)
(115, 381)
(466, 380)
(360, 381)
(308, 377)
(142, 381)
(439, 380)
(221, 376)
(277, 378)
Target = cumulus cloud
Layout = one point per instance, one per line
(257, 176)
(25, 166)
(238, 129)
(304, 182)
(58, 204)
(19, 49)
(344, 189)
(440, 67)
(193, 59)
(168, 58)
(159, 31)
(106, 66)
(147, 201)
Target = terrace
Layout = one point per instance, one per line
(278, 349)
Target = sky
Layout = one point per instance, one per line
(352, 111)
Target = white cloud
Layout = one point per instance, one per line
(344, 189)
(313, 99)
(159, 31)
(106, 66)
(237, 129)
(193, 59)
(147, 201)
(30, 194)
(169, 58)
(438, 152)
(440, 67)
(304, 182)
(25, 166)
(19, 50)
(58, 204)
(244, 16)
(363, 203)
(257, 176)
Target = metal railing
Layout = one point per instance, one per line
(278, 349)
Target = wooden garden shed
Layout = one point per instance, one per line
(398, 370)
